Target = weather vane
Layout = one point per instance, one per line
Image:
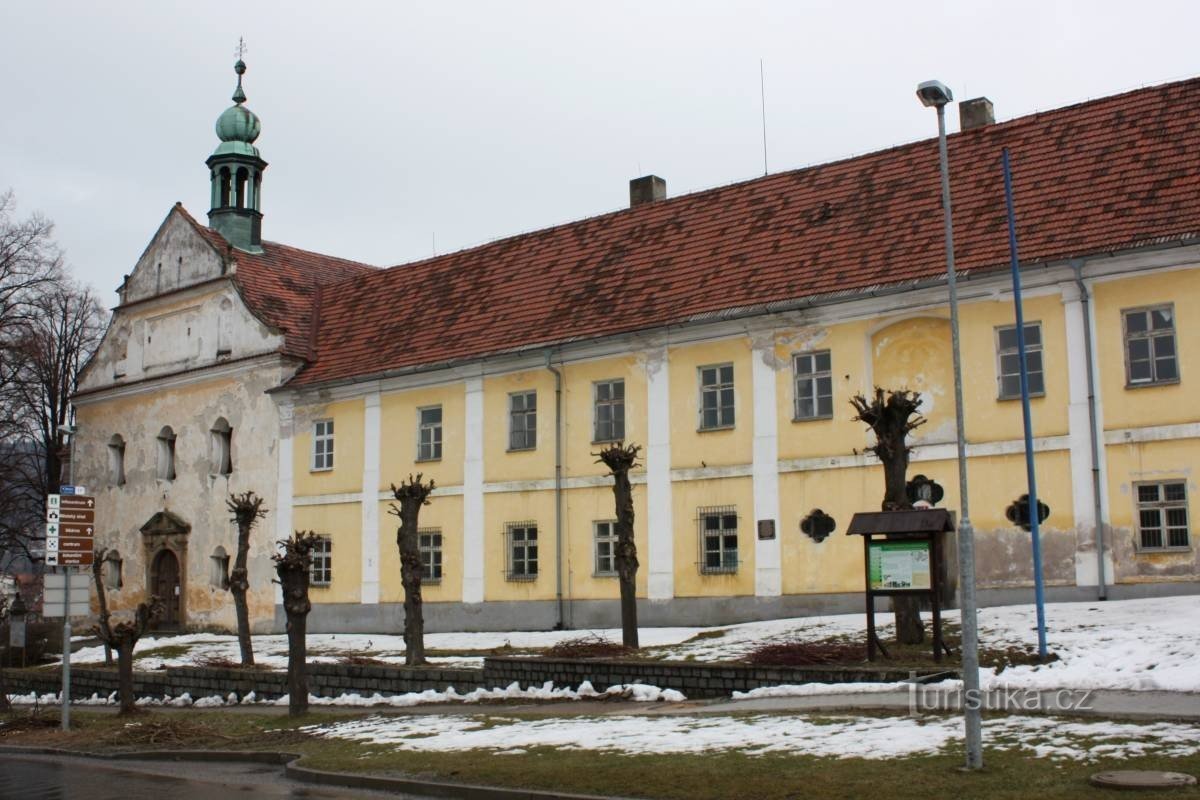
(241, 48)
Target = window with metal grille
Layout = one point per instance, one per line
(609, 411)
(814, 385)
(606, 547)
(522, 421)
(429, 433)
(718, 539)
(521, 545)
(322, 453)
(1162, 515)
(716, 397)
(1008, 361)
(320, 567)
(1150, 346)
(429, 543)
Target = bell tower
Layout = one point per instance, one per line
(236, 170)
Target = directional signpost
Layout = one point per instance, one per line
(70, 538)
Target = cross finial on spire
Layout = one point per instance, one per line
(239, 96)
(240, 50)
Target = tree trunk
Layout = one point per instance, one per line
(410, 577)
(626, 558)
(246, 509)
(125, 676)
(292, 568)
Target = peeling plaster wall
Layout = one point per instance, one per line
(196, 495)
(177, 257)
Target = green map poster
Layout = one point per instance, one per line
(899, 565)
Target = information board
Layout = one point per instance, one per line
(899, 565)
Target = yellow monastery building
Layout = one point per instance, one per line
(724, 331)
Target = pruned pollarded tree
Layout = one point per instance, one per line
(892, 414)
(246, 509)
(122, 636)
(292, 567)
(620, 458)
(411, 494)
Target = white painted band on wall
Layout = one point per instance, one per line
(768, 573)
(370, 511)
(660, 578)
(472, 591)
(283, 514)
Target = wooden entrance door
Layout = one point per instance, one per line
(167, 587)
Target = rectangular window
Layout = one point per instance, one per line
(322, 453)
(606, 548)
(320, 569)
(1008, 358)
(1150, 346)
(609, 411)
(522, 550)
(814, 385)
(429, 543)
(718, 540)
(429, 433)
(716, 397)
(522, 421)
(1162, 515)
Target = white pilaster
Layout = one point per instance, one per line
(659, 522)
(370, 506)
(472, 591)
(1079, 427)
(284, 486)
(767, 552)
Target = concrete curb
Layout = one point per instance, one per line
(290, 761)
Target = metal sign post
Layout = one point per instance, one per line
(70, 531)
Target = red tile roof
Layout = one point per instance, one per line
(279, 284)
(1106, 175)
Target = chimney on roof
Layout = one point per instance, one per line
(647, 189)
(975, 113)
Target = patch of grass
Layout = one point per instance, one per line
(590, 646)
(799, 653)
(1008, 775)
(719, 633)
(164, 652)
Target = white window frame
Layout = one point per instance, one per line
(430, 450)
(719, 390)
(1030, 350)
(812, 376)
(521, 535)
(429, 545)
(1162, 507)
(322, 445)
(604, 536)
(719, 533)
(526, 416)
(1151, 336)
(616, 427)
(320, 565)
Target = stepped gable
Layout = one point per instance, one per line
(1102, 176)
(279, 283)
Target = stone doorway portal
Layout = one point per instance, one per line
(167, 587)
(165, 539)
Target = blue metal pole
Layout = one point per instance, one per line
(1039, 590)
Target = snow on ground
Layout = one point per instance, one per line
(1125, 644)
(836, 737)
(637, 692)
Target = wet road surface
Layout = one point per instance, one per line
(60, 778)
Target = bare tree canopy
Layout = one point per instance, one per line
(49, 327)
(122, 636)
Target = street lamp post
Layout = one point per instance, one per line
(938, 95)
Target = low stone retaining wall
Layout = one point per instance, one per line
(696, 680)
(324, 680)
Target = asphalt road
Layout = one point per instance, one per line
(61, 778)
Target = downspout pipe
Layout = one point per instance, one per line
(558, 490)
(1093, 434)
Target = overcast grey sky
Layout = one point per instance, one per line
(389, 124)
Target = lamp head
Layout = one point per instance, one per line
(934, 93)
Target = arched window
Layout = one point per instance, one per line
(221, 447)
(242, 175)
(226, 185)
(112, 570)
(166, 454)
(116, 460)
(218, 574)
